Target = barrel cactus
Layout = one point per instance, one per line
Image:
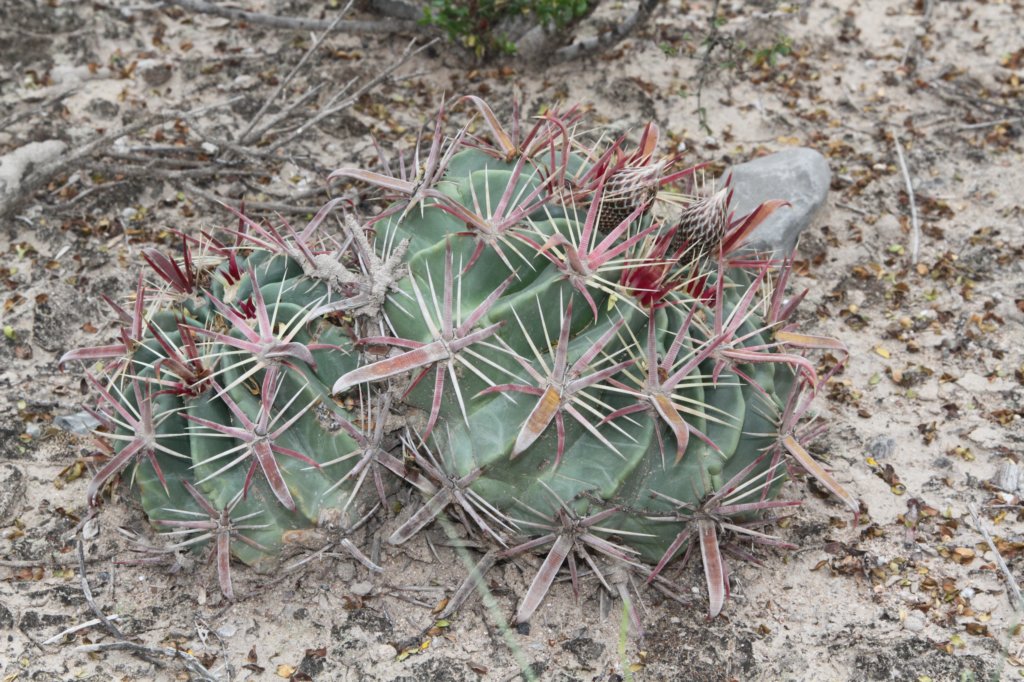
(561, 344)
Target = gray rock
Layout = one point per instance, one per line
(361, 588)
(80, 423)
(154, 72)
(15, 165)
(798, 175)
(913, 623)
(1007, 478)
(12, 491)
(398, 9)
(102, 108)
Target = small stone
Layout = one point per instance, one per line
(975, 383)
(361, 588)
(1007, 478)
(929, 391)
(913, 623)
(983, 602)
(882, 447)
(986, 436)
(12, 491)
(399, 9)
(102, 108)
(17, 164)
(346, 572)
(245, 82)
(79, 423)
(154, 73)
(798, 175)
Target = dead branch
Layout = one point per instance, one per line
(1011, 584)
(914, 46)
(87, 591)
(77, 628)
(152, 170)
(48, 561)
(951, 92)
(473, 583)
(610, 38)
(915, 224)
(190, 662)
(358, 27)
(989, 124)
(335, 103)
(12, 198)
(250, 135)
(705, 64)
(274, 206)
(32, 112)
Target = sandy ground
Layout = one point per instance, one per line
(924, 416)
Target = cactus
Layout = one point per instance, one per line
(579, 359)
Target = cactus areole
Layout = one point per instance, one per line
(563, 346)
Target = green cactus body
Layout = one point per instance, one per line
(565, 380)
(216, 463)
(742, 421)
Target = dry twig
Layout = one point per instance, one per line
(299, 23)
(76, 628)
(712, 42)
(335, 103)
(915, 225)
(87, 591)
(1018, 600)
(190, 662)
(608, 38)
(250, 205)
(989, 124)
(249, 135)
(30, 183)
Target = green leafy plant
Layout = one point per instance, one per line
(770, 55)
(546, 338)
(477, 24)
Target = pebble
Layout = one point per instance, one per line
(361, 588)
(346, 571)
(245, 82)
(79, 423)
(12, 491)
(154, 72)
(882, 447)
(975, 383)
(18, 163)
(983, 602)
(1007, 478)
(913, 623)
(986, 436)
